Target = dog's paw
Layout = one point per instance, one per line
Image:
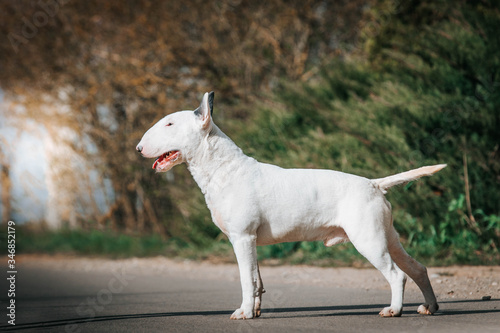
(426, 309)
(242, 314)
(390, 312)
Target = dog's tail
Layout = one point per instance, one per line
(408, 176)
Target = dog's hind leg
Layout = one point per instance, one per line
(417, 272)
(373, 246)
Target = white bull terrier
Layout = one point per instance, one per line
(259, 204)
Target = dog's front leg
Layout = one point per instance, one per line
(246, 254)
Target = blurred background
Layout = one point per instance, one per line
(366, 87)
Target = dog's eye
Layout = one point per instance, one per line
(169, 124)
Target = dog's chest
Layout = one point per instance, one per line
(218, 220)
(217, 214)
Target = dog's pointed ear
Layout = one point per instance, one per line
(211, 102)
(204, 111)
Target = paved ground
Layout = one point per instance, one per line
(151, 295)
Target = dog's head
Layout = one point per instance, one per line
(177, 136)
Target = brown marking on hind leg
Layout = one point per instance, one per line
(417, 272)
(258, 298)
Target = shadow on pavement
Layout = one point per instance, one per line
(295, 312)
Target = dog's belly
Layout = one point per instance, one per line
(329, 235)
(304, 221)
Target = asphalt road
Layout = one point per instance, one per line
(135, 300)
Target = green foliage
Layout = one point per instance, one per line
(88, 243)
(115, 245)
(432, 100)
(379, 126)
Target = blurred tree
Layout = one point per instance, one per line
(116, 67)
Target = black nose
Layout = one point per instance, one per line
(139, 148)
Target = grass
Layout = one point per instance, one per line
(110, 244)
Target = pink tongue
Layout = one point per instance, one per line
(157, 161)
(163, 159)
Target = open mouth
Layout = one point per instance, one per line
(163, 162)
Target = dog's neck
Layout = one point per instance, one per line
(214, 161)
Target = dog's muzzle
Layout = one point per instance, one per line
(139, 148)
